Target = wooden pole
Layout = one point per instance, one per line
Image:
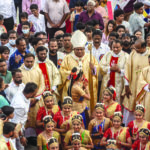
(91, 81)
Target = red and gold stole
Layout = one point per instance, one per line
(8, 145)
(45, 74)
(114, 60)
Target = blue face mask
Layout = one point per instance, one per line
(25, 31)
(12, 42)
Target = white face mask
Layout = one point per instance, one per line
(25, 31)
(12, 42)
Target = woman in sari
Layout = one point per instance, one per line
(99, 125)
(118, 133)
(79, 92)
(77, 123)
(143, 143)
(76, 142)
(48, 133)
(111, 106)
(138, 123)
(63, 118)
(53, 144)
(48, 109)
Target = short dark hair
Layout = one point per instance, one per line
(4, 36)
(12, 32)
(90, 23)
(26, 23)
(4, 49)
(117, 41)
(147, 35)
(34, 6)
(126, 35)
(118, 12)
(19, 39)
(39, 33)
(53, 40)
(41, 48)
(97, 32)
(79, 3)
(7, 110)
(115, 34)
(95, 22)
(88, 29)
(1, 17)
(29, 55)
(80, 26)
(138, 5)
(35, 41)
(120, 26)
(14, 71)
(59, 36)
(66, 35)
(30, 88)
(8, 127)
(137, 31)
(24, 15)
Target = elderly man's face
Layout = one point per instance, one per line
(79, 51)
(90, 7)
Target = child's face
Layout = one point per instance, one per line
(4, 41)
(120, 32)
(5, 55)
(24, 20)
(34, 12)
(1, 22)
(78, 8)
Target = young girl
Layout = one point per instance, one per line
(77, 122)
(118, 133)
(110, 105)
(48, 133)
(63, 118)
(110, 27)
(75, 15)
(2, 27)
(48, 109)
(138, 123)
(98, 125)
(78, 89)
(53, 144)
(143, 143)
(76, 142)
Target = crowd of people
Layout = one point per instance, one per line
(72, 77)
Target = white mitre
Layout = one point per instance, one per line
(78, 39)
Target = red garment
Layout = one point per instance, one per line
(135, 131)
(42, 113)
(109, 135)
(43, 68)
(136, 145)
(68, 22)
(114, 60)
(8, 145)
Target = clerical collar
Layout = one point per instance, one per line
(116, 55)
(6, 139)
(39, 62)
(28, 68)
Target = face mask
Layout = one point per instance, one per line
(25, 31)
(12, 42)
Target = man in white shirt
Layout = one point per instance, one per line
(15, 85)
(37, 19)
(98, 48)
(21, 104)
(12, 37)
(9, 13)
